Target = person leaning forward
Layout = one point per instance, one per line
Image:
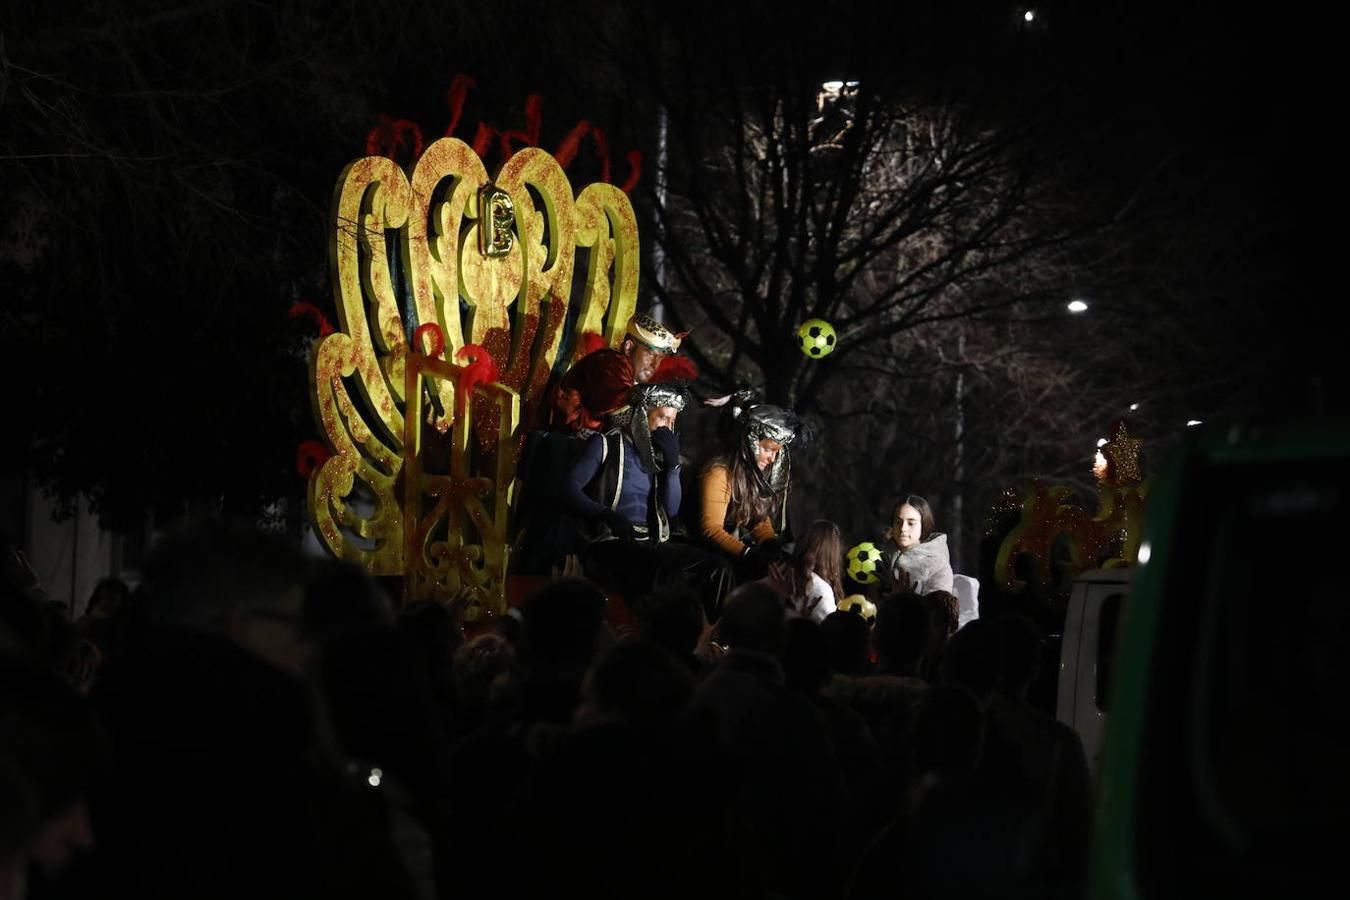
(626, 487)
(598, 383)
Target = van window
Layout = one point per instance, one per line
(1108, 623)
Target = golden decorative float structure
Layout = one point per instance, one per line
(420, 478)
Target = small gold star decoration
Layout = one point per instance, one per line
(1122, 457)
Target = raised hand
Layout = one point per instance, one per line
(667, 446)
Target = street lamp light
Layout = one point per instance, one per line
(1029, 16)
(1077, 306)
(1191, 423)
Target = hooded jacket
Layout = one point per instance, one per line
(927, 564)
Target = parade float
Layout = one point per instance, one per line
(456, 292)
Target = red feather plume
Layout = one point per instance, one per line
(675, 368)
(483, 138)
(588, 343)
(602, 148)
(567, 150)
(309, 456)
(433, 331)
(634, 171)
(481, 368)
(303, 308)
(454, 98)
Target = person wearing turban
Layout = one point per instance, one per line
(625, 486)
(598, 383)
(744, 491)
(576, 407)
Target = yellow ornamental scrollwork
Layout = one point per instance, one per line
(419, 481)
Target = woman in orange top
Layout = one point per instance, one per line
(744, 491)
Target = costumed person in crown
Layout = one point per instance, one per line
(626, 488)
(744, 490)
(575, 407)
(598, 383)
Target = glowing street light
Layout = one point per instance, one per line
(1029, 16)
(1134, 407)
(1191, 423)
(1077, 306)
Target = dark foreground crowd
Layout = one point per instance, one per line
(249, 724)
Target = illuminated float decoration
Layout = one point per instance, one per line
(421, 434)
(1045, 513)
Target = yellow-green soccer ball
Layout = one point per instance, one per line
(857, 603)
(816, 338)
(862, 563)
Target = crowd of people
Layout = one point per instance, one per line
(247, 722)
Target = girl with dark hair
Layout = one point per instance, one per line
(744, 490)
(919, 561)
(817, 569)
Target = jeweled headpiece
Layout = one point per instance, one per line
(771, 423)
(642, 399)
(652, 334)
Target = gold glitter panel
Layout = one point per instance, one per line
(406, 252)
(455, 501)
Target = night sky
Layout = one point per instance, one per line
(145, 304)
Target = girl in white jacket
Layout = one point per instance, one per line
(817, 570)
(920, 562)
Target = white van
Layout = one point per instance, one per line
(1086, 654)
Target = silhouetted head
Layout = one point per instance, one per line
(948, 731)
(900, 635)
(753, 618)
(972, 659)
(635, 682)
(562, 623)
(108, 598)
(847, 637)
(671, 616)
(341, 595)
(230, 578)
(805, 659)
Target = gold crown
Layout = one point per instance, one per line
(653, 335)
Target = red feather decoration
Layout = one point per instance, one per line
(309, 456)
(634, 171)
(437, 338)
(602, 148)
(675, 368)
(588, 343)
(302, 308)
(389, 135)
(481, 368)
(454, 98)
(534, 117)
(567, 150)
(483, 138)
(375, 138)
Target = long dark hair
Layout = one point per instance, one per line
(747, 506)
(820, 549)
